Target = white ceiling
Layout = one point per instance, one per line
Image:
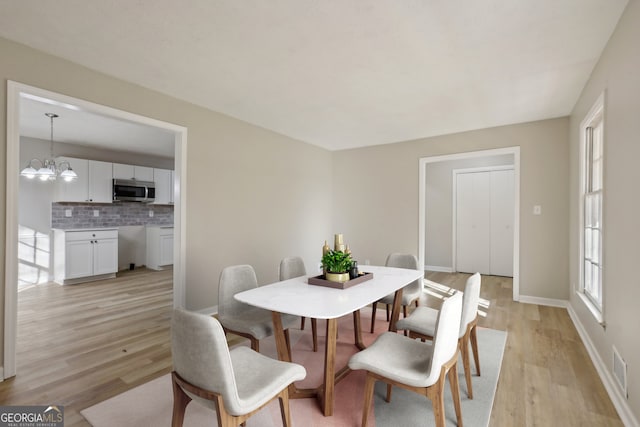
(337, 73)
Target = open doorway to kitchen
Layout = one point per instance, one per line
(30, 261)
(439, 221)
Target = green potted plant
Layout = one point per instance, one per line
(336, 265)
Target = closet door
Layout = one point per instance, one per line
(473, 222)
(502, 194)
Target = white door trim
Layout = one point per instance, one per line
(516, 209)
(454, 208)
(14, 90)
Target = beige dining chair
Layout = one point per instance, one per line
(242, 319)
(422, 324)
(291, 267)
(417, 366)
(235, 384)
(410, 293)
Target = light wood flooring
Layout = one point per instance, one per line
(81, 344)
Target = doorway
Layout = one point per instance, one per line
(445, 228)
(16, 92)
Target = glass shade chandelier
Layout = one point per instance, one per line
(48, 170)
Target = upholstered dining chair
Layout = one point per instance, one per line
(236, 384)
(410, 293)
(291, 267)
(414, 365)
(242, 319)
(422, 324)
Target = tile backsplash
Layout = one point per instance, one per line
(109, 215)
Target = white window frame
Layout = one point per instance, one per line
(594, 118)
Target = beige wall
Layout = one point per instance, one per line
(618, 73)
(376, 197)
(254, 196)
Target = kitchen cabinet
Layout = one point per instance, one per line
(159, 247)
(85, 255)
(164, 186)
(92, 185)
(140, 173)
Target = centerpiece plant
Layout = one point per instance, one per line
(336, 265)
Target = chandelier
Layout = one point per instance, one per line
(48, 170)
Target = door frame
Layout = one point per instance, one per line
(454, 210)
(424, 161)
(14, 92)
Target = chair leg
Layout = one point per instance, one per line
(404, 311)
(288, 340)
(389, 389)
(387, 305)
(284, 407)
(302, 319)
(314, 333)
(474, 347)
(455, 392)
(368, 398)
(466, 365)
(374, 306)
(255, 345)
(437, 401)
(180, 402)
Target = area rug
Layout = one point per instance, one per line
(151, 404)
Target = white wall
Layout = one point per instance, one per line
(617, 73)
(439, 206)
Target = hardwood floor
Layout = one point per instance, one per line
(81, 344)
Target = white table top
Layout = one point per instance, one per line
(296, 296)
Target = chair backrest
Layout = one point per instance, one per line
(445, 339)
(470, 302)
(291, 267)
(405, 261)
(233, 280)
(201, 354)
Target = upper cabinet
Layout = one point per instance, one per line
(164, 186)
(140, 173)
(93, 183)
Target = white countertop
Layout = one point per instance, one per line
(296, 296)
(87, 229)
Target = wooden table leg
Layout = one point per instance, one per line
(395, 313)
(326, 397)
(357, 330)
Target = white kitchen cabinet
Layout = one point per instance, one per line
(85, 255)
(92, 185)
(159, 247)
(164, 186)
(140, 173)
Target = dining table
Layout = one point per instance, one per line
(296, 296)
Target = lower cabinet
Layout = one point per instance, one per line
(159, 247)
(84, 255)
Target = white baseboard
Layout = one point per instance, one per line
(209, 311)
(438, 268)
(619, 401)
(551, 302)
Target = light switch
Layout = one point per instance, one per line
(96, 212)
(537, 210)
(68, 213)
(150, 214)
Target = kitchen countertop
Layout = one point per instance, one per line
(87, 229)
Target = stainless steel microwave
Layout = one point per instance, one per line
(131, 190)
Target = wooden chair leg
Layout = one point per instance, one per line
(455, 392)
(474, 347)
(437, 401)
(255, 345)
(389, 389)
(180, 402)
(466, 365)
(368, 398)
(284, 407)
(288, 340)
(302, 319)
(387, 305)
(314, 333)
(404, 311)
(374, 306)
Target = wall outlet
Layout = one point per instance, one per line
(68, 213)
(537, 210)
(150, 214)
(96, 212)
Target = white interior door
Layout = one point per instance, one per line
(473, 222)
(502, 193)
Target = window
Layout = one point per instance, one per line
(592, 144)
